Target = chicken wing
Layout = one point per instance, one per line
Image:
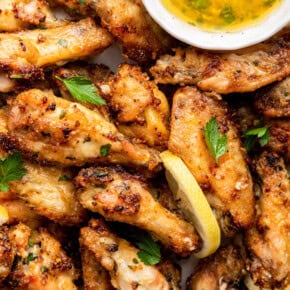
(117, 256)
(142, 109)
(222, 270)
(171, 272)
(274, 101)
(50, 128)
(94, 275)
(24, 53)
(268, 240)
(16, 15)
(228, 184)
(240, 71)
(40, 263)
(119, 196)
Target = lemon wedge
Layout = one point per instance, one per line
(193, 203)
(3, 215)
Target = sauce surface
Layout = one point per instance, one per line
(225, 15)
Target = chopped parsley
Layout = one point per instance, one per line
(44, 269)
(16, 76)
(105, 150)
(63, 178)
(216, 143)
(227, 14)
(260, 134)
(31, 257)
(82, 89)
(11, 168)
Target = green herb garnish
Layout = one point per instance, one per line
(199, 4)
(63, 178)
(31, 257)
(11, 168)
(44, 269)
(261, 134)
(227, 14)
(82, 89)
(16, 76)
(105, 150)
(216, 143)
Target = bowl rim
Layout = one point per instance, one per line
(248, 36)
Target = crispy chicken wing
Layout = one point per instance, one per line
(222, 270)
(40, 263)
(54, 129)
(228, 184)
(240, 71)
(117, 256)
(120, 196)
(142, 109)
(171, 272)
(27, 51)
(268, 240)
(274, 100)
(21, 14)
(94, 275)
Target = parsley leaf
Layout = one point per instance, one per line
(11, 168)
(261, 134)
(31, 257)
(83, 90)
(149, 252)
(105, 150)
(227, 14)
(216, 143)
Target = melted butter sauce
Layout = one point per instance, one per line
(221, 15)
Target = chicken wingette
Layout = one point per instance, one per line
(117, 256)
(120, 196)
(239, 71)
(17, 15)
(94, 275)
(48, 128)
(228, 184)
(24, 53)
(39, 261)
(274, 101)
(268, 240)
(142, 110)
(222, 270)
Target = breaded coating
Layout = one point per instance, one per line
(274, 101)
(171, 272)
(222, 270)
(16, 15)
(27, 51)
(120, 196)
(142, 109)
(40, 261)
(228, 184)
(142, 39)
(239, 71)
(268, 240)
(56, 130)
(94, 275)
(117, 256)
(7, 253)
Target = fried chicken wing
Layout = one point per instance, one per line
(120, 196)
(222, 270)
(40, 262)
(16, 15)
(27, 51)
(54, 129)
(268, 240)
(116, 255)
(171, 272)
(240, 71)
(274, 101)
(142, 109)
(94, 275)
(228, 184)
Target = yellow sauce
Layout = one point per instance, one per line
(225, 15)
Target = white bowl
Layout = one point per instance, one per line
(219, 40)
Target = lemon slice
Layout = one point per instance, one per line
(3, 215)
(193, 203)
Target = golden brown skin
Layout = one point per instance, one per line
(228, 184)
(54, 129)
(239, 71)
(17, 15)
(274, 101)
(120, 196)
(94, 275)
(268, 240)
(222, 270)
(142, 109)
(171, 272)
(50, 269)
(116, 255)
(27, 51)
